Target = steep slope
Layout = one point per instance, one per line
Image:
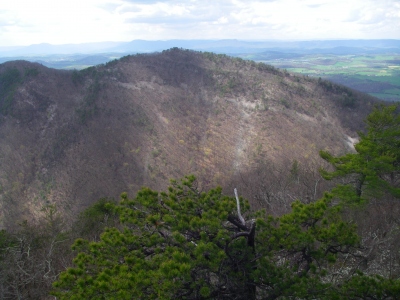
(70, 138)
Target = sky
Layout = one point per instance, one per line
(26, 22)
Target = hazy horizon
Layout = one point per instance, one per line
(232, 39)
(55, 22)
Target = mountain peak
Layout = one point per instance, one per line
(71, 137)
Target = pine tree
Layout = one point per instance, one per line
(187, 244)
(374, 170)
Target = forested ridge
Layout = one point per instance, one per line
(68, 138)
(194, 242)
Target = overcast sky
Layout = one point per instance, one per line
(25, 22)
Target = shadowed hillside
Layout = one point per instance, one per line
(72, 137)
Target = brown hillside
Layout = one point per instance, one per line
(72, 137)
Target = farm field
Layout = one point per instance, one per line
(377, 75)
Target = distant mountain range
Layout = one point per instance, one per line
(219, 46)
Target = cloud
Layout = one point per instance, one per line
(314, 5)
(171, 11)
(77, 21)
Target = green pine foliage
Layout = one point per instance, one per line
(361, 286)
(300, 251)
(172, 245)
(94, 219)
(187, 244)
(191, 244)
(374, 169)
